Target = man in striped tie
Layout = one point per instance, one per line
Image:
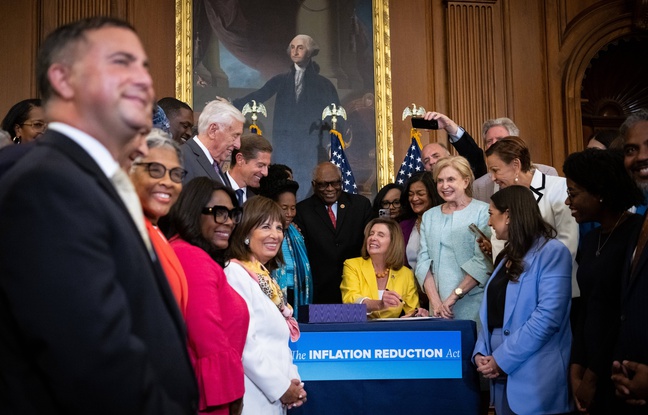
(220, 127)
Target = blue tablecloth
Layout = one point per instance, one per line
(400, 397)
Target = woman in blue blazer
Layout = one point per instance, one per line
(525, 339)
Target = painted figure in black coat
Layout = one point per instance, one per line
(298, 133)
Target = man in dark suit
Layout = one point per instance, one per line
(220, 127)
(630, 371)
(88, 323)
(249, 164)
(332, 222)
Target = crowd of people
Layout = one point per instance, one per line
(140, 275)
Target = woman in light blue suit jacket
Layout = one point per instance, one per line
(450, 266)
(525, 339)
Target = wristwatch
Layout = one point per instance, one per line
(459, 292)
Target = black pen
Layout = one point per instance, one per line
(399, 299)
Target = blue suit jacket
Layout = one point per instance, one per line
(537, 335)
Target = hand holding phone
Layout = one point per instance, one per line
(478, 233)
(484, 241)
(422, 123)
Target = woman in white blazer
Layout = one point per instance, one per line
(272, 383)
(524, 343)
(509, 163)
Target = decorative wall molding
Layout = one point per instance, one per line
(54, 13)
(476, 65)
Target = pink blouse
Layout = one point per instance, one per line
(217, 322)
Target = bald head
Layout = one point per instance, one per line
(327, 182)
(431, 153)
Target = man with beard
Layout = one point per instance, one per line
(630, 369)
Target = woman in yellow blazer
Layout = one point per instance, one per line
(378, 278)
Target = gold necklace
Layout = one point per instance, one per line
(383, 274)
(600, 247)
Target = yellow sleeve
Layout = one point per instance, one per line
(410, 291)
(351, 286)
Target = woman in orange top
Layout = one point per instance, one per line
(158, 181)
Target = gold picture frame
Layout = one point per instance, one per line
(382, 76)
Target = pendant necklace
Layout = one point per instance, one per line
(600, 247)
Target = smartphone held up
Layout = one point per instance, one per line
(423, 124)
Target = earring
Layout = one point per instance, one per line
(247, 241)
(601, 200)
(516, 178)
(16, 140)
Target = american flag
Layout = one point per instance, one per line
(412, 162)
(339, 158)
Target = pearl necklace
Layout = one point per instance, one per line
(600, 247)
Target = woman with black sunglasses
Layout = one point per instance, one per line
(202, 222)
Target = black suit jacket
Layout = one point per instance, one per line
(468, 148)
(632, 340)
(88, 323)
(329, 247)
(10, 154)
(197, 164)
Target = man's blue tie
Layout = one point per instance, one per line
(239, 196)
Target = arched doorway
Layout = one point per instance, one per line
(614, 85)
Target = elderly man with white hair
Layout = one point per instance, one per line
(220, 127)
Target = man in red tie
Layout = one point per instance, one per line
(333, 223)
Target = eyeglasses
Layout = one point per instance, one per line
(157, 171)
(386, 204)
(337, 184)
(221, 213)
(571, 195)
(36, 125)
